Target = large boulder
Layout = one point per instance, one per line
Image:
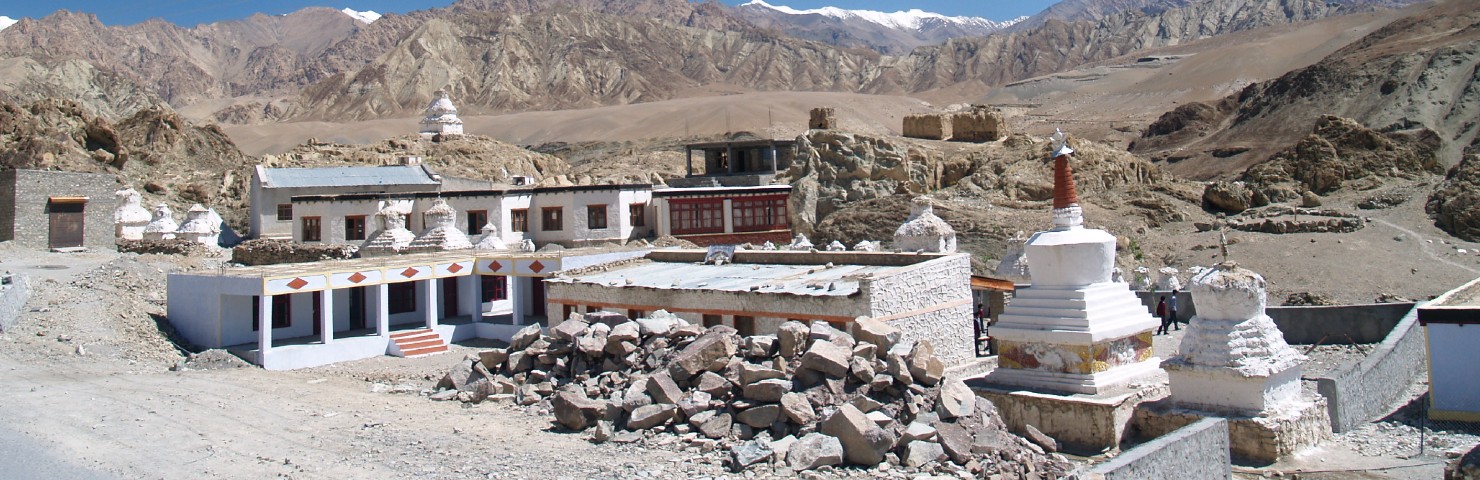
(524, 337)
(717, 426)
(791, 339)
(650, 416)
(877, 332)
(925, 367)
(760, 416)
(575, 411)
(955, 441)
(956, 400)
(716, 344)
(663, 389)
(1227, 196)
(823, 331)
(744, 455)
(751, 373)
(1455, 203)
(798, 409)
(814, 450)
(569, 330)
(767, 390)
(827, 357)
(918, 453)
(864, 442)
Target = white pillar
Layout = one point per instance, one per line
(516, 298)
(432, 302)
(264, 328)
(382, 309)
(729, 217)
(472, 301)
(326, 316)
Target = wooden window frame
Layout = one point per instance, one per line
(696, 216)
(495, 288)
(351, 232)
(596, 217)
(552, 219)
(519, 220)
(637, 214)
(313, 229)
(282, 312)
(284, 212)
(759, 213)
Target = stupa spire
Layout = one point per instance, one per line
(1066, 211)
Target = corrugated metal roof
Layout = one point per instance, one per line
(346, 176)
(818, 280)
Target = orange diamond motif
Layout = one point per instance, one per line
(357, 277)
(297, 283)
(454, 268)
(495, 266)
(408, 272)
(536, 266)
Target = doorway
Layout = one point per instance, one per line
(449, 297)
(357, 308)
(66, 221)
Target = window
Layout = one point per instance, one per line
(697, 216)
(637, 215)
(311, 229)
(753, 214)
(495, 287)
(550, 219)
(354, 227)
(402, 297)
(635, 314)
(596, 217)
(285, 212)
(476, 220)
(567, 310)
(713, 320)
(282, 312)
(519, 219)
(745, 326)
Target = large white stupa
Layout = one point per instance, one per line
(441, 117)
(1075, 330)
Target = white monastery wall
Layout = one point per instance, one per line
(928, 301)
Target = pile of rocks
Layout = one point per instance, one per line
(808, 397)
(172, 246)
(271, 252)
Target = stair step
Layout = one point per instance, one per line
(424, 351)
(408, 333)
(424, 343)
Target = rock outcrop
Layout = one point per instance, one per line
(1455, 203)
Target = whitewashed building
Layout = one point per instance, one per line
(272, 190)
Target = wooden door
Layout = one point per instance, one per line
(538, 294)
(66, 224)
(357, 308)
(449, 297)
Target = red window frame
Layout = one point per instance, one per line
(696, 216)
(759, 213)
(495, 287)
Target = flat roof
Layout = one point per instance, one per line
(347, 176)
(397, 261)
(680, 191)
(814, 280)
(470, 193)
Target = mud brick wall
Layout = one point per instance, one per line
(929, 126)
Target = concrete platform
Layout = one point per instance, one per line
(1254, 441)
(1084, 424)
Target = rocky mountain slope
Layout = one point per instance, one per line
(1419, 72)
(891, 33)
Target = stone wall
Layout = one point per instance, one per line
(822, 119)
(1338, 323)
(1199, 450)
(7, 198)
(978, 125)
(30, 223)
(272, 252)
(14, 292)
(928, 301)
(929, 126)
(1356, 394)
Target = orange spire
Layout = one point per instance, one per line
(1064, 194)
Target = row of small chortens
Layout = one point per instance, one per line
(133, 222)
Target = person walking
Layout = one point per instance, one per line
(1161, 312)
(1172, 310)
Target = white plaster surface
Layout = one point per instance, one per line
(130, 217)
(162, 226)
(1071, 257)
(441, 116)
(1453, 367)
(924, 231)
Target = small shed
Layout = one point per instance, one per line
(1452, 330)
(57, 210)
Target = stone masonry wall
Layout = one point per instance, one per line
(7, 205)
(978, 125)
(1199, 450)
(939, 294)
(1356, 394)
(930, 126)
(806, 307)
(33, 188)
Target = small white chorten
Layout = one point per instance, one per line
(393, 237)
(491, 240)
(924, 231)
(199, 227)
(1014, 262)
(442, 233)
(866, 246)
(130, 218)
(836, 246)
(1233, 359)
(1074, 330)
(1166, 279)
(162, 226)
(441, 117)
(800, 242)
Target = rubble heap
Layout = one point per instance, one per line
(808, 397)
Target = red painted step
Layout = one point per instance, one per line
(417, 343)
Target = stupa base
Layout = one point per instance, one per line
(1253, 440)
(1086, 424)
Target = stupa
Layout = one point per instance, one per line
(1074, 330)
(199, 227)
(491, 240)
(162, 226)
(924, 232)
(1233, 362)
(441, 117)
(393, 237)
(130, 218)
(443, 233)
(800, 242)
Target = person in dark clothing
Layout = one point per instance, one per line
(979, 327)
(1161, 312)
(1172, 310)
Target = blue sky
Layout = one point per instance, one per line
(192, 12)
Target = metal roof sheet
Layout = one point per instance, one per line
(347, 176)
(819, 280)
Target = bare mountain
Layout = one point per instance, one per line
(1418, 72)
(1096, 10)
(891, 33)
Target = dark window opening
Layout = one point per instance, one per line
(476, 220)
(596, 217)
(637, 215)
(402, 297)
(519, 220)
(312, 231)
(495, 287)
(551, 219)
(354, 227)
(282, 312)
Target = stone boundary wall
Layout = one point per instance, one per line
(1199, 450)
(929, 126)
(1358, 393)
(978, 125)
(1305, 325)
(13, 296)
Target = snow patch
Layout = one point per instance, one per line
(366, 17)
(6, 22)
(913, 19)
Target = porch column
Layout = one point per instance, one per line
(432, 301)
(382, 309)
(730, 155)
(516, 298)
(729, 217)
(689, 161)
(774, 159)
(326, 316)
(264, 327)
(472, 296)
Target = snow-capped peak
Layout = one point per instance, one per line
(6, 22)
(366, 17)
(912, 19)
